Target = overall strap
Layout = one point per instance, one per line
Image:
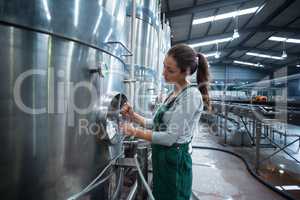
(170, 104)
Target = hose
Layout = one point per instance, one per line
(119, 185)
(93, 184)
(132, 191)
(287, 196)
(143, 178)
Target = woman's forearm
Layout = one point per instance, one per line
(142, 134)
(139, 119)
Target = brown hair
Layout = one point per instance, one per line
(186, 58)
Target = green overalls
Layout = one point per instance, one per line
(172, 166)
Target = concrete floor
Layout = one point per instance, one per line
(221, 176)
(218, 175)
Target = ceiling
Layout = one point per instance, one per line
(274, 18)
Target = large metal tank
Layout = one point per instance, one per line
(147, 27)
(164, 46)
(60, 60)
(146, 51)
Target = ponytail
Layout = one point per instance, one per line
(203, 80)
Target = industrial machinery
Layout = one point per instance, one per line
(58, 65)
(64, 71)
(150, 44)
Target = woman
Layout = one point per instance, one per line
(173, 123)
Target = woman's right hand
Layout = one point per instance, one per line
(127, 111)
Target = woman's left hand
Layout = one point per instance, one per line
(127, 129)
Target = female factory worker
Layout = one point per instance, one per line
(171, 128)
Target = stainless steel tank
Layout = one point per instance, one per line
(146, 51)
(164, 46)
(59, 61)
(147, 27)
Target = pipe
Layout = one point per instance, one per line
(91, 185)
(103, 171)
(132, 45)
(132, 191)
(257, 141)
(120, 182)
(252, 173)
(84, 192)
(142, 153)
(143, 179)
(158, 31)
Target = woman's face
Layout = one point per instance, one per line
(171, 72)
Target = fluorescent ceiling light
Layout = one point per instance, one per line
(264, 56)
(279, 187)
(217, 41)
(277, 39)
(288, 187)
(206, 43)
(291, 187)
(248, 63)
(225, 15)
(214, 54)
(210, 54)
(292, 40)
(283, 39)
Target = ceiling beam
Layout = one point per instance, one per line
(243, 48)
(233, 20)
(210, 24)
(274, 33)
(273, 15)
(247, 30)
(293, 61)
(191, 22)
(203, 7)
(229, 62)
(209, 27)
(266, 64)
(269, 67)
(284, 27)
